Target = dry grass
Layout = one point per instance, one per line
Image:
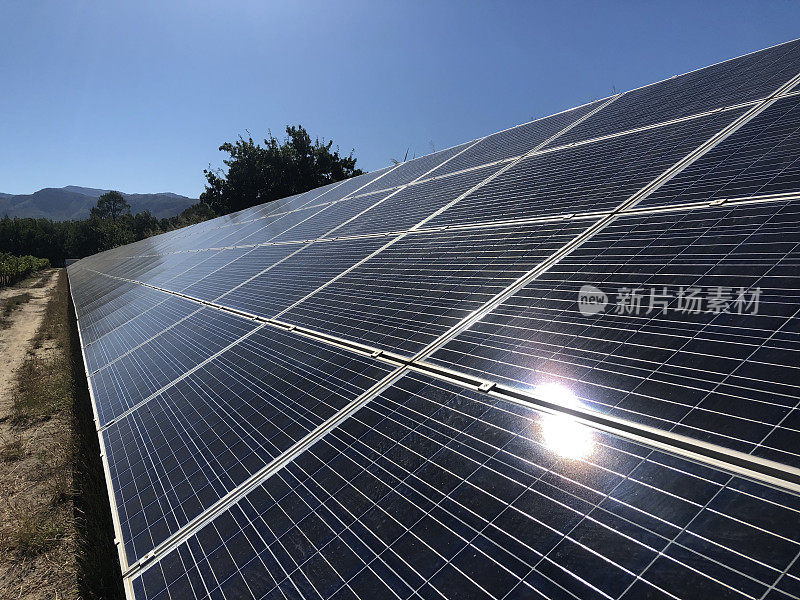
(12, 449)
(37, 532)
(56, 537)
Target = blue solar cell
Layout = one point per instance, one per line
(183, 450)
(414, 169)
(238, 272)
(211, 262)
(145, 369)
(597, 176)
(699, 334)
(124, 307)
(298, 275)
(763, 157)
(329, 218)
(515, 141)
(136, 331)
(411, 292)
(412, 205)
(743, 79)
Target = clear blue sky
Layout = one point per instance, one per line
(138, 95)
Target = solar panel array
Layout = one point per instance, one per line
(387, 387)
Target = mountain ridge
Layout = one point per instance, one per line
(75, 202)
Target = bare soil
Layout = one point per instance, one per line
(37, 533)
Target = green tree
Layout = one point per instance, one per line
(258, 174)
(111, 205)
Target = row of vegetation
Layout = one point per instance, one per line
(253, 174)
(16, 268)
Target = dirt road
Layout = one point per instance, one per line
(37, 535)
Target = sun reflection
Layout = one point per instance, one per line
(562, 433)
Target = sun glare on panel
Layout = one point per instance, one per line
(562, 433)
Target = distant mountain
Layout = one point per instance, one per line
(75, 202)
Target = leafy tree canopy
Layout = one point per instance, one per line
(111, 205)
(258, 174)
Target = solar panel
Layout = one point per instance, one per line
(300, 274)
(728, 83)
(409, 171)
(762, 158)
(146, 368)
(136, 331)
(516, 141)
(590, 177)
(410, 206)
(405, 296)
(236, 273)
(679, 365)
(560, 361)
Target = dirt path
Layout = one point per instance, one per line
(16, 340)
(37, 540)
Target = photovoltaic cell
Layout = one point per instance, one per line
(120, 385)
(430, 491)
(256, 260)
(356, 185)
(408, 294)
(171, 265)
(101, 296)
(136, 331)
(743, 79)
(331, 217)
(515, 141)
(298, 275)
(136, 300)
(295, 202)
(179, 453)
(213, 261)
(763, 157)
(408, 207)
(680, 345)
(596, 176)
(270, 231)
(409, 171)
